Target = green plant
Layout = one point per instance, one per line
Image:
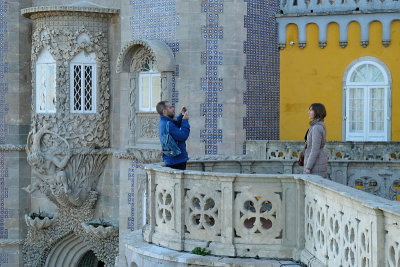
(100, 222)
(201, 251)
(40, 214)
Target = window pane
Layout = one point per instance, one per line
(88, 100)
(77, 88)
(41, 90)
(145, 92)
(156, 90)
(379, 126)
(356, 109)
(376, 109)
(51, 71)
(367, 73)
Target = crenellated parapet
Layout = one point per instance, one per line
(323, 13)
(329, 7)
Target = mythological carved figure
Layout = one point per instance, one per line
(48, 166)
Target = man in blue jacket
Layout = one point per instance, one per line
(179, 130)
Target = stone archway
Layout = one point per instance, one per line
(67, 252)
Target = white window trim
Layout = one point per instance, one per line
(387, 100)
(47, 93)
(45, 58)
(366, 135)
(149, 74)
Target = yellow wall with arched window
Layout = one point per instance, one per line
(315, 74)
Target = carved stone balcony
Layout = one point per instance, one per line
(303, 217)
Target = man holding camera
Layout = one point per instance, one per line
(173, 135)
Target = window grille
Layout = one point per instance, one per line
(83, 88)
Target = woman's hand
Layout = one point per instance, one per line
(307, 171)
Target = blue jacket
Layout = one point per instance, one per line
(179, 129)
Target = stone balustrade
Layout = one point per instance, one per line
(373, 167)
(337, 151)
(303, 217)
(332, 6)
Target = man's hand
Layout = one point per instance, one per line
(185, 116)
(183, 110)
(308, 171)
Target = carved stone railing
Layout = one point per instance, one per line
(373, 167)
(336, 6)
(303, 217)
(337, 151)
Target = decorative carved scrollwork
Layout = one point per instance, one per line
(149, 128)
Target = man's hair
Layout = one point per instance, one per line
(319, 110)
(161, 106)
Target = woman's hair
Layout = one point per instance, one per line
(319, 110)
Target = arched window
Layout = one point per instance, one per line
(367, 96)
(149, 87)
(83, 83)
(45, 83)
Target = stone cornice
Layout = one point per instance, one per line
(11, 242)
(28, 12)
(9, 147)
(141, 154)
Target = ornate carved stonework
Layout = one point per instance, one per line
(68, 151)
(38, 243)
(148, 126)
(81, 130)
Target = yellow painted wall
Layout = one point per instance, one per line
(313, 74)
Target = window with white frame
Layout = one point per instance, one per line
(45, 83)
(149, 87)
(367, 102)
(83, 83)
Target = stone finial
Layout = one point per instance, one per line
(386, 43)
(302, 44)
(322, 44)
(281, 46)
(343, 44)
(364, 43)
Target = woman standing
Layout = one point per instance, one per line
(315, 157)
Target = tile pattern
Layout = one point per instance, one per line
(157, 20)
(262, 71)
(212, 83)
(3, 259)
(153, 20)
(131, 195)
(3, 124)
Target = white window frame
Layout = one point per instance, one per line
(366, 135)
(45, 59)
(83, 60)
(149, 74)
